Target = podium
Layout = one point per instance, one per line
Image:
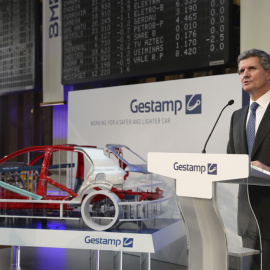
(210, 223)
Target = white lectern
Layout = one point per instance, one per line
(196, 177)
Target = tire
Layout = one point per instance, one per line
(97, 223)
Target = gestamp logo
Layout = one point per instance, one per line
(156, 106)
(102, 241)
(194, 104)
(196, 168)
(212, 168)
(128, 242)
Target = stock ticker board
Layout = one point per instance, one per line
(18, 55)
(113, 39)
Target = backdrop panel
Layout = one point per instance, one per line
(165, 116)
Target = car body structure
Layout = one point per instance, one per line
(78, 182)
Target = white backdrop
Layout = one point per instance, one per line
(101, 116)
(134, 115)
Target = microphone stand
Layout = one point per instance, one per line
(229, 103)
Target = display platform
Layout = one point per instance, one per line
(86, 203)
(67, 234)
(144, 237)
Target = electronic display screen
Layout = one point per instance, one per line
(105, 39)
(18, 54)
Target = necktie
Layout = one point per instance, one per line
(250, 131)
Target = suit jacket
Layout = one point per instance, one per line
(259, 195)
(237, 141)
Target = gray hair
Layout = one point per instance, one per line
(264, 57)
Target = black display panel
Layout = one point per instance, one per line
(18, 52)
(112, 39)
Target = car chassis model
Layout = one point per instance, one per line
(97, 192)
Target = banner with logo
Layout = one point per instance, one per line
(171, 116)
(52, 86)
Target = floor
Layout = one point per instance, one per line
(71, 259)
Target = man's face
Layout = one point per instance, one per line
(254, 77)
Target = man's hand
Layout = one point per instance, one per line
(260, 165)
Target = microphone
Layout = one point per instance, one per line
(229, 103)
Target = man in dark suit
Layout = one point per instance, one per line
(254, 71)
